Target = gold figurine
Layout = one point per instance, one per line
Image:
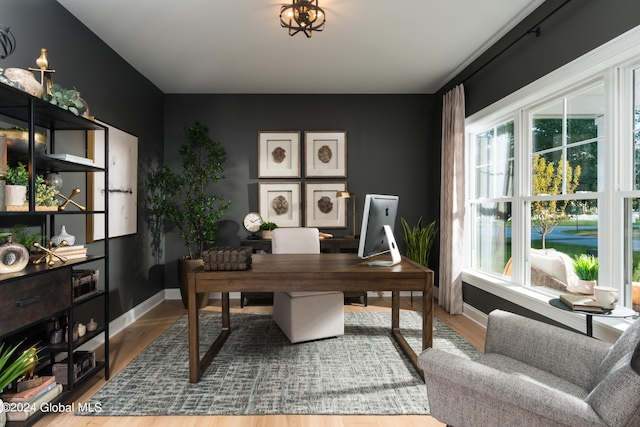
(68, 200)
(50, 253)
(45, 74)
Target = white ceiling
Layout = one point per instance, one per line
(238, 46)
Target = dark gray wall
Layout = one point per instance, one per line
(577, 28)
(116, 94)
(388, 149)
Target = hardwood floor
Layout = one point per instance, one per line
(126, 345)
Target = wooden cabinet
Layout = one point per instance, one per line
(30, 298)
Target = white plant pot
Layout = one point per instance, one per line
(267, 234)
(15, 195)
(586, 286)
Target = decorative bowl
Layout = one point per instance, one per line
(18, 141)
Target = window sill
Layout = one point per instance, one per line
(605, 329)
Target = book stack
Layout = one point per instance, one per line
(581, 303)
(26, 403)
(72, 252)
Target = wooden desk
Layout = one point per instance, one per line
(318, 272)
(332, 245)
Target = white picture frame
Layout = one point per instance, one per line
(323, 209)
(278, 154)
(279, 202)
(122, 187)
(325, 154)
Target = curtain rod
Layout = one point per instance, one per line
(533, 30)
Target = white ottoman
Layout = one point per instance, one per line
(306, 316)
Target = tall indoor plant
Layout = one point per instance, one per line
(186, 199)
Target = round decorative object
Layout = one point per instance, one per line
(325, 205)
(325, 154)
(92, 325)
(279, 154)
(54, 180)
(280, 205)
(252, 222)
(18, 141)
(25, 81)
(13, 256)
(56, 240)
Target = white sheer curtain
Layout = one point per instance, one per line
(452, 201)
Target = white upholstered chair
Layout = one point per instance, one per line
(305, 315)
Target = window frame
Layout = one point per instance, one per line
(611, 64)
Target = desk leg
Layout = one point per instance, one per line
(395, 329)
(194, 330)
(427, 317)
(197, 366)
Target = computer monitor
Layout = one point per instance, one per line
(378, 222)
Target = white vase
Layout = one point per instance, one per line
(56, 240)
(15, 195)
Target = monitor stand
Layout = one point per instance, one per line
(393, 248)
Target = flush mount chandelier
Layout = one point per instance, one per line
(302, 15)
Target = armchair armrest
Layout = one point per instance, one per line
(566, 354)
(486, 384)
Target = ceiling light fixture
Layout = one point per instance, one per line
(302, 15)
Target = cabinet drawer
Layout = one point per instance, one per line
(33, 298)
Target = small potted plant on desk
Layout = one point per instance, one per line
(267, 229)
(586, 268)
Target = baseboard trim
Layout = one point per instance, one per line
(118, 324)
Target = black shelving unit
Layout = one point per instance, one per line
(31, 297)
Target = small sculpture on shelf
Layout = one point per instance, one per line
(13, 256)
(50, 253)
(68, 200)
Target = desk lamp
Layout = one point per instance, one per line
(349, 195)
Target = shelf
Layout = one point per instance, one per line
(14, 103)
(49, 290)
(64, 346)
(43, 268)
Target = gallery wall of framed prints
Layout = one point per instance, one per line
(325, 158)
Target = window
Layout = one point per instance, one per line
(493, 182)
(554, 172)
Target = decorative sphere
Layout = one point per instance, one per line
(55, 180)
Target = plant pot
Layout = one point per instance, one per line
(15, 195)
(267, 234)
(184, 267)
(586, 286)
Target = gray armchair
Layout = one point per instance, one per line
(535, 374)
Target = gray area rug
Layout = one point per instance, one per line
(258, 372)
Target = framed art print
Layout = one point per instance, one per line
(122, 185)
(323, 209)
(279, 202)
(278, 154)
(325, 154)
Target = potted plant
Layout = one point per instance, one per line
(419, 240)
(11, 371)
(267, 229)
(17, 180)
(185, 198)
(586, 268)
